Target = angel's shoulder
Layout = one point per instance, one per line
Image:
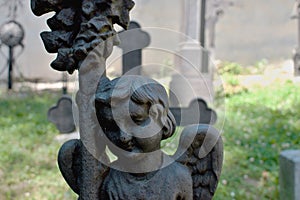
(177, 167)
(179, 172)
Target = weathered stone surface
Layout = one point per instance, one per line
(290, 175)
(142, 170)
(130, 116)
(197, 113)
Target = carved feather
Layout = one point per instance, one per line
(70, 158)
(201, 149)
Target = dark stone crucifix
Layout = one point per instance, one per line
(129, 115)
(132, 43)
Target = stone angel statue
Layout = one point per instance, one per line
(134, 114)
(128, 115)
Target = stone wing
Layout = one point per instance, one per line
(70, 158)
(201, 150)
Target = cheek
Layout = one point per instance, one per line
(151, 143)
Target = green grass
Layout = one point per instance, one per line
(28, 150)
(259, 124)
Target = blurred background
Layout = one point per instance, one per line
(246, 32)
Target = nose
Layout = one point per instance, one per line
(125, 137)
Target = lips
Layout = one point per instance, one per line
(127, 146)
(130, 147)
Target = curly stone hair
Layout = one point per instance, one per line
(141, 90)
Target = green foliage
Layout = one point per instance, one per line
(229, 72)
(259, 67)
(230, 68)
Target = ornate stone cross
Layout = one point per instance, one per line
(132, 43)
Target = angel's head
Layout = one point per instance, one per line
(133, 112)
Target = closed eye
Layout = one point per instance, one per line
(140, 120)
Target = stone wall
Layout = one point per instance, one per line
(254, 30)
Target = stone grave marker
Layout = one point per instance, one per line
(62, 116)
(214, 10)
(132, 43)
(198, 113)
(289, 176)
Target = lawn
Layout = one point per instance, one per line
(260, 123)
(28, 150)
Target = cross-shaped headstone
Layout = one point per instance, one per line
(197, 113)
(132, 43)
(214, 10)
(62, 116)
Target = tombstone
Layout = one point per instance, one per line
(62, 116)
(132, 43)
(196, 113)
(192, 62)
(289, 176)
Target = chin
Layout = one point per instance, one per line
(132, 155)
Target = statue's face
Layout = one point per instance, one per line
(132, 127)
